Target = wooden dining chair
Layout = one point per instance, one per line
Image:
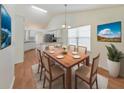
(72, 47)
(88, 74)
(51, 47)
(52, 73)
(59, 45)
(82, 49)
(40, 65)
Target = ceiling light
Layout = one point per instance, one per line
(66, 26)
(63, 26)
(69, 26)
(39, 9)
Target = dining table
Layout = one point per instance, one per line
(67, 61)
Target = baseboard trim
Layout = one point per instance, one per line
(11, 86)
(28, 50)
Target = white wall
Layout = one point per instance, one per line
(6, 67)
(9, 56)
(18, 38)
(94, 18)
(32, 25)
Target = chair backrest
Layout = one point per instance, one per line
(94, 67)
(39, 56)
(82, 49)
(59, 45)
(46, 64)
(51, 47)
(72, 47)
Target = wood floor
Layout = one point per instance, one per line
(24, 78)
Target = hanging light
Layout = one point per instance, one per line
(65, 26)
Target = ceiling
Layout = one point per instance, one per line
(54, 9)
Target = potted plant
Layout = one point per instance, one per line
(114, 57)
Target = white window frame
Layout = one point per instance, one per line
(77, 36)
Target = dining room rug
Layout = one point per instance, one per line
(57, 84)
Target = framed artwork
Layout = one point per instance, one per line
(110, 32)
(5, 28)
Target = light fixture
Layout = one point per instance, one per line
(65, 26)
(39, 9)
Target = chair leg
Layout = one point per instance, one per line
(75, 82)
(64, 81)
(90, 86)
(96, 83)
(50, 84)
(44, 81)
(38, 68)
(41, 72)
(84, 62)
(78, 65)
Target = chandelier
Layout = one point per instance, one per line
(65, 26)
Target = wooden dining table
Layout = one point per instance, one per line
(68, 61)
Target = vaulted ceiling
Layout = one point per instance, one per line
(35, 16)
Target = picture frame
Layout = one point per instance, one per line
(5, 28)
(110, 32)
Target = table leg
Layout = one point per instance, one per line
(68, 78)
(87, 61)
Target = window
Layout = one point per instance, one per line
(80, 36)
(30, 35)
